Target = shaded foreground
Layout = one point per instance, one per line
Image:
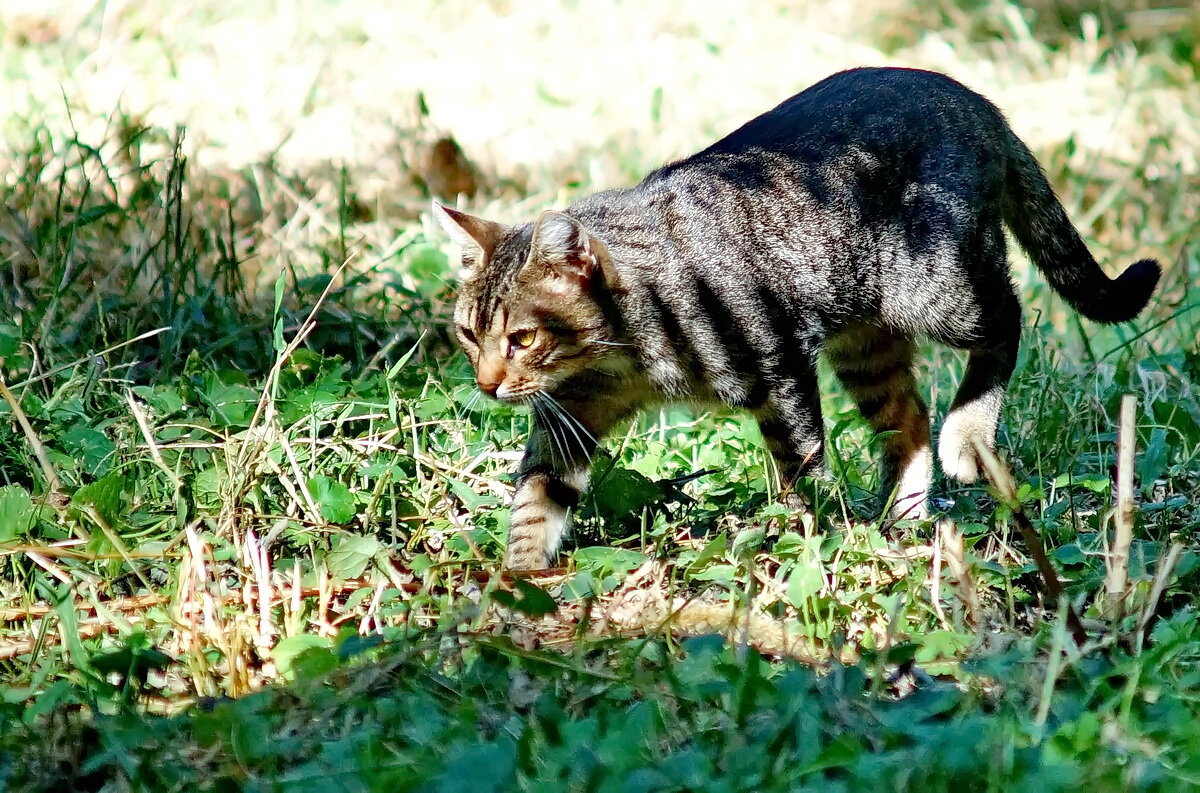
(457, 713)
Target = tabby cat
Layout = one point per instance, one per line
(858, 215)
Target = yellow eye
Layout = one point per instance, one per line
(522, 338)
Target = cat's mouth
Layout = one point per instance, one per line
(515, 394)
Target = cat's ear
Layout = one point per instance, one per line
(476, 236)
(561, 243)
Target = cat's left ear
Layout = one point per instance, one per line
(561, 243)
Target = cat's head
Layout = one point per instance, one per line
(534, 304)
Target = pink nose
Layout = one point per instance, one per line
(489, 388)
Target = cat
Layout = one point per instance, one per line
(861, 214)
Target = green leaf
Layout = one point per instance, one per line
(91, 447)
(714, 550)
(104, 496)
(335, 500)
(92, 214)
(605, 559)
(426, 261)
(716, 572)
(233, 404)
(747, 541)
(1154, 459)
(304, 656)
(353, 644)
(937, 645)
(805, 582)
(351, 556)
(10, 340)
(626, 492)
(206, 487)
(582, 585)
(901, 653)
(165, 401)
(135, 659)
(400, 364)
(1069, 554)
(1096, 484)
(529, 599)
(470, 499)
(16, 512)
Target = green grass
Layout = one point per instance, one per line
(251, 512)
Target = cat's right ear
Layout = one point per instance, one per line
(477, 237)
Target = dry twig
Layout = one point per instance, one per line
(1007, 491)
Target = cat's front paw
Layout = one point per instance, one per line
(912, 507)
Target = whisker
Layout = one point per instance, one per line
(562, 428)
(610, 343)
(461, 411)
(539, 418)
(571, 419)
(552, 408)
(571, 423)
(549, 422)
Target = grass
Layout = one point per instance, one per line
(250, 513)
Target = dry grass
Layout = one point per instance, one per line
(544, 90)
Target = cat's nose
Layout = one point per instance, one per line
(490, 375)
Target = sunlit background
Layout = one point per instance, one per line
(544, 94)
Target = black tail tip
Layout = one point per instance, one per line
(1145, 272)
(1130, 292)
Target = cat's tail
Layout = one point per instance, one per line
(1040, 224)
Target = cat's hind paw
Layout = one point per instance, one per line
(956, 452)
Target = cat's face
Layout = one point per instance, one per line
(530, 311)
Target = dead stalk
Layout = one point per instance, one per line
(1117, 580)
(1161, 577)
(935, 580)
(1007, 491)
(35, 443)
(951, 542)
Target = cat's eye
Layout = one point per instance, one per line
(522, 339)
(468, 334)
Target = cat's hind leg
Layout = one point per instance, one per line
(988, 326)
(975, 411)
(875, 366)
(790, 421)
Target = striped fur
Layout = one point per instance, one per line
(852, 219)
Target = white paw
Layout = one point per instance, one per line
(955, 450)
(912, 487)
(910, 508)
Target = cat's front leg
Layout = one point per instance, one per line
(550, 481)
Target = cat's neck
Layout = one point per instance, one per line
(627, 221)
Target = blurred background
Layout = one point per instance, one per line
(546, 96)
